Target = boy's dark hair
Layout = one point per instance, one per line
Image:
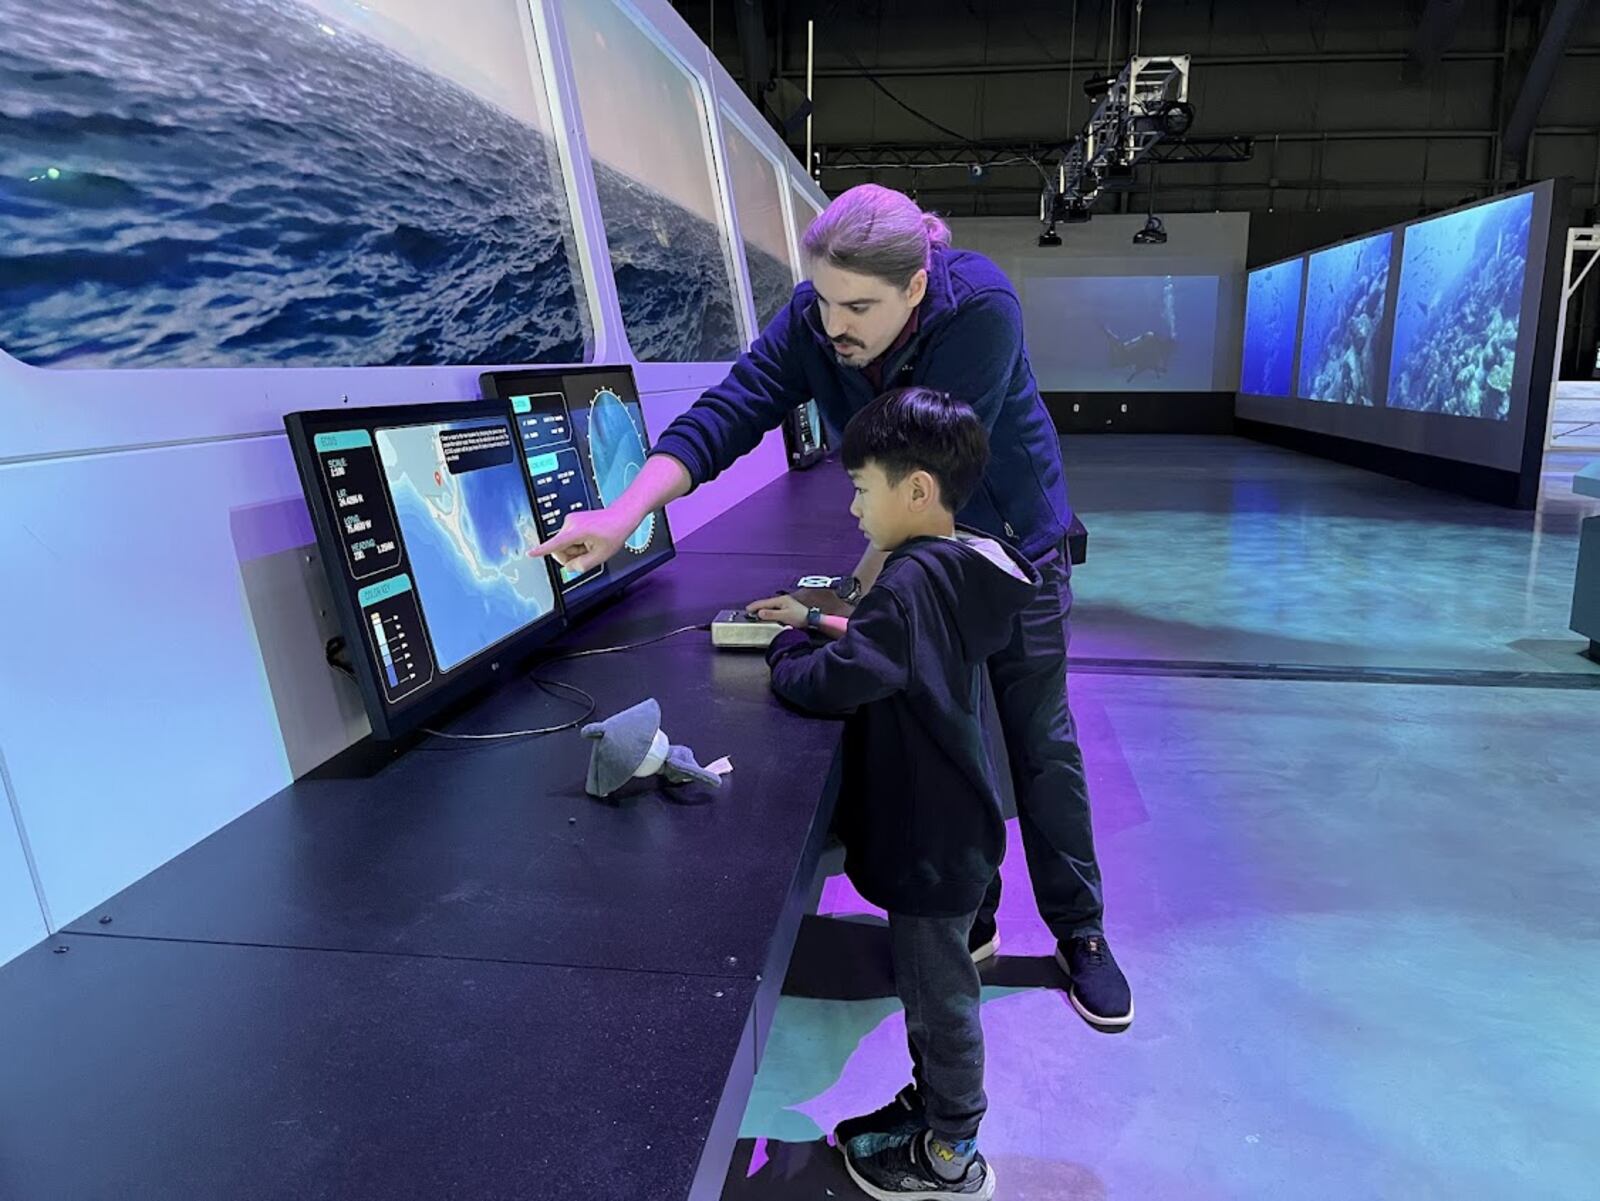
(919, 429)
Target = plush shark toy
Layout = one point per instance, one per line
(632, 746)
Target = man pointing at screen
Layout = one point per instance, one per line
(889, 303)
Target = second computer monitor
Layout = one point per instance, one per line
(583, 440)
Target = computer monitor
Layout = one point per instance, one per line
(583, 439)
(1271, 325)
(425, 519)
(804, 437)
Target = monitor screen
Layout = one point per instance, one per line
(1271, 320)
(425, 520)
(1433, 349)
(583, 439)
(1459, 312)
(1130, 333)
(1342, 339)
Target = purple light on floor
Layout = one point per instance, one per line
(758, 1158)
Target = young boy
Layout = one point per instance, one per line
(918, 810)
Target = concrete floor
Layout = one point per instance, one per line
(1361, 916)
(1575, 415)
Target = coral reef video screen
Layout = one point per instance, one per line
(1426, 337)
(583, 441)
(1342, 339)
(1459, 312)
(425, 523)
(1271, 320)
(1140, 333)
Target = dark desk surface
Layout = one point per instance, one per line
(803, 513)
(496, 852)
(461, 976)
(175, 1071)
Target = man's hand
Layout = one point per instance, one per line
(588, 539)
(871, 566)
(784, 610)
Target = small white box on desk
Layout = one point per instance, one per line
(734, 629)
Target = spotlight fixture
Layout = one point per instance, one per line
(1135, 110)
(1178, 117)
(1166, 118)
(1154, 233)
(1097, 86)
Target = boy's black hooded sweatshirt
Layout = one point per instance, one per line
(918, 809)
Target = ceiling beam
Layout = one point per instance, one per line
(1090, 67)
(1436, 29)
(1536, 84)
(754, 53)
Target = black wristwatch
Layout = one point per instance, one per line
(814, 618)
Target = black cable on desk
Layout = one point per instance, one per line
(548, 685)
(338, 660)
(630, 646)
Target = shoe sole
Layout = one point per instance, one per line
(1109, 1024)
(988, 950)
(942, 1195)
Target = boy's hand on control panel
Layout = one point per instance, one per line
(784, 610)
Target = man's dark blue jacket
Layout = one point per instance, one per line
(968, 343)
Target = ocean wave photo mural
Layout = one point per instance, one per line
(279, 182)
(649, 139)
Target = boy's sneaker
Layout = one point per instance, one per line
(1099, 991)
(899, 1119)
(901, 1171)
(984, 940)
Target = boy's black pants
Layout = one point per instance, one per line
(938, 985)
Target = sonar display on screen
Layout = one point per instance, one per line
(1341, 344)
(1271, 320)
(617, 453)
(1458, 316)
(583, 438)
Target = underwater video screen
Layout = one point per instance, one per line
(1341, 343)
(1139, 333)
(1271, 320)
(1458, 314)
(1426, 338)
